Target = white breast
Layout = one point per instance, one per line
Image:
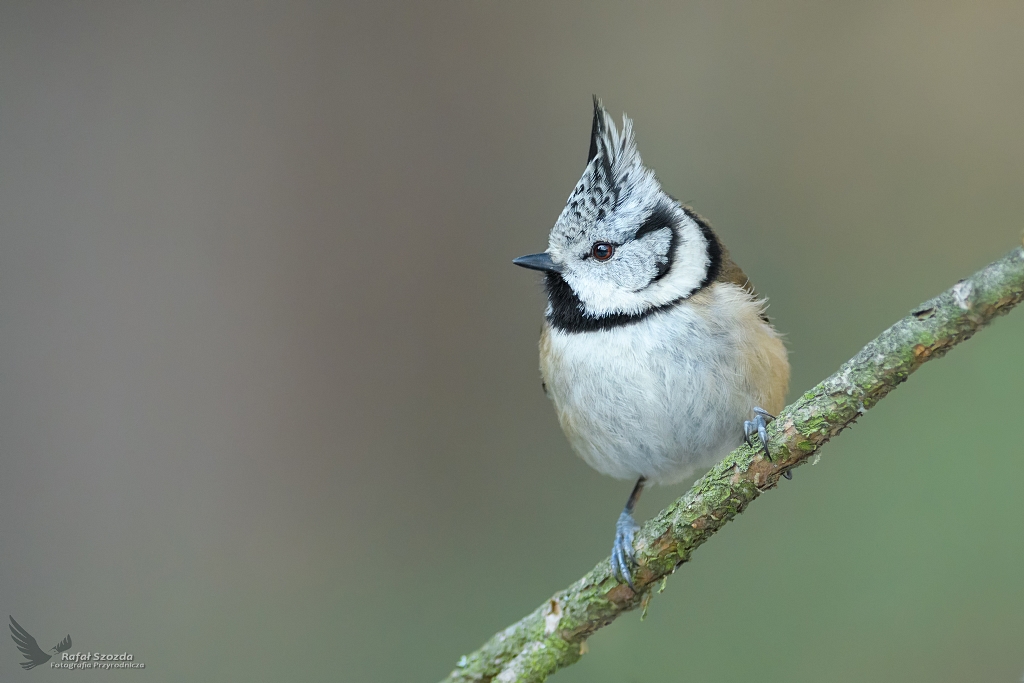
(665, 398)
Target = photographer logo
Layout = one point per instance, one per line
(62, 659)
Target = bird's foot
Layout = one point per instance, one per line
(623, 555)
(759, 426)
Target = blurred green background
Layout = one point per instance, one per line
(269, 399)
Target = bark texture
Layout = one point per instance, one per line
(555, 634)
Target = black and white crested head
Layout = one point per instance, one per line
(622, 248)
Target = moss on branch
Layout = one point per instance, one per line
(555, 634)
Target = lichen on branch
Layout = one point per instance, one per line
(555, 634)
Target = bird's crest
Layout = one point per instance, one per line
(614, 171)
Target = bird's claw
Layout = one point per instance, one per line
(759, 426)
(623, 555)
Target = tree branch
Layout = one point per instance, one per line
(555, 634)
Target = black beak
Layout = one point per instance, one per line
(541, 261)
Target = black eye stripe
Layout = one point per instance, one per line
(660, 218)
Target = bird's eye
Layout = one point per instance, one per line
(602, 251)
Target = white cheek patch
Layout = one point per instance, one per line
(653, 248)
(637, 263)
(627, 284)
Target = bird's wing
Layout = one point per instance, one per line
(729, 270)
(28, 646)
(64, 644)
(733, 273)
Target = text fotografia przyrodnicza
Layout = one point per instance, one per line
(97, 660)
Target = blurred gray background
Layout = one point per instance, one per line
(269, 399)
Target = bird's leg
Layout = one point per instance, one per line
(623, 557)
(759, 426)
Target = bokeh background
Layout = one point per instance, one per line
(269, 399)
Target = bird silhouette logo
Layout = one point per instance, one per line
(30, 648)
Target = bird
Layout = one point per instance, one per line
(656, 350)
(30, 648)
